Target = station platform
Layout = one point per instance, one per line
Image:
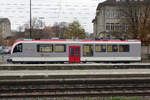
(81, 66)
(74, 72)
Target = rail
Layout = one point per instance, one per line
(76, 88)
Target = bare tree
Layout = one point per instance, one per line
(37, 27)
(36, 23)
(59, 29)
(136, 14)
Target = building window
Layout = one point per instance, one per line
(112, 48)
(108, 26)
(123, 48)
(117, 14)
(47, 48)
(124, 27)
(112, 26)
(100, 48)
(88, 50)
(18, 48)
(117, 27)
(112, 13)
(107, 14)
(60, 48)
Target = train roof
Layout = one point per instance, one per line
(45, 40)
(75, 41)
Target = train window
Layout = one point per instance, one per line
(115, 48)
(18, 48)
(71, 51)
(88, 50)
(77, 51)
(100, 48)
(112, 48)
(109, 48)
(60, 48)
(47, 48)
(123, 48)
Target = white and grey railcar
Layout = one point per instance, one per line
(41, 51)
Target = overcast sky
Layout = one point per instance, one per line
(50, 11)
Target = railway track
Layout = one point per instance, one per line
(73, 88)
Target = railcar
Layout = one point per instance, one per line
(52, 51)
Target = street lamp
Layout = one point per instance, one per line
(30, 22)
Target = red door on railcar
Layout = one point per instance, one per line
(74, 54)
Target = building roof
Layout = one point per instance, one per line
(118, 2)
(107, 2)
(4, 20)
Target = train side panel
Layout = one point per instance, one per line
(134, 54)
(30, 54)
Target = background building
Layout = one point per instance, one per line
(5, 27)
(111, 22)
